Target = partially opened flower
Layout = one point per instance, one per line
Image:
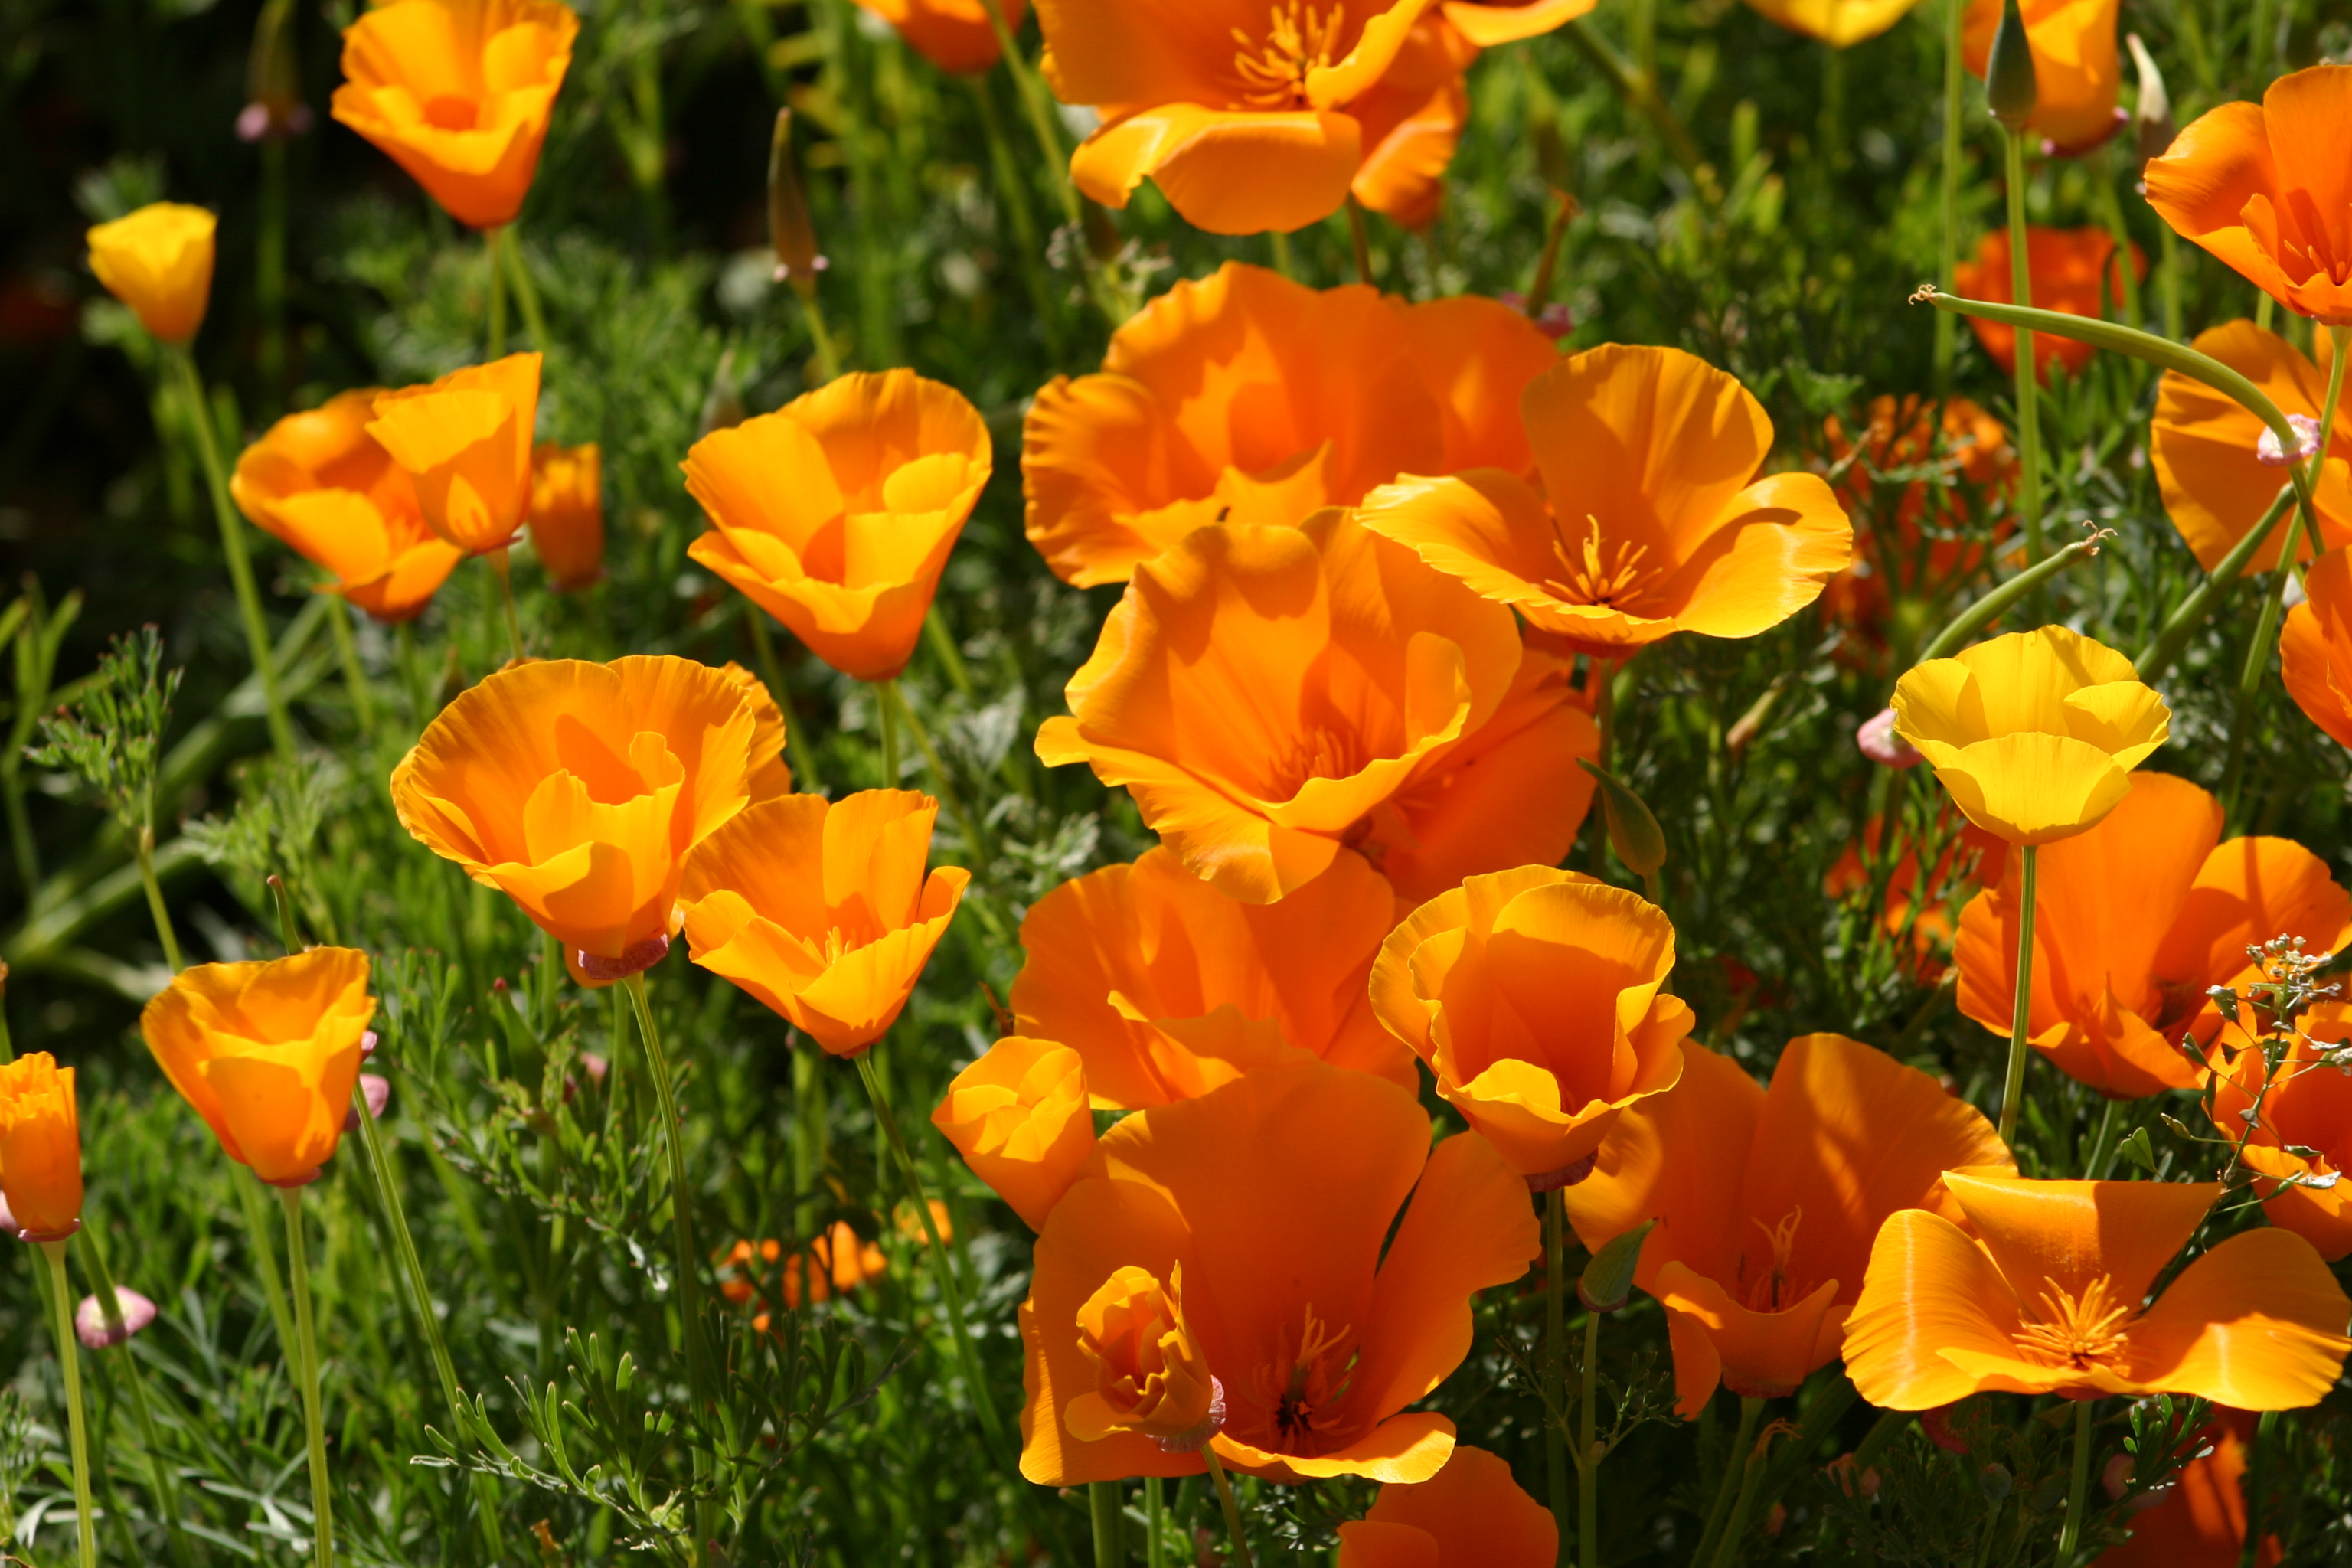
(1319, 1313)
(1245, 397)
(2046, 1297)
(1918, 476)
(2073, 270)
(1118, 960)
(466, 440)
(567, 513)
(1150, 1376)
(2301, 1142)
(458, 93)
(159, 261)
(1271, 696)
(835, 513)
(266, 1053)
(93, 1330)
(2208, 450)
(1768, 1200)
(1471, 1514)
(1537, 998)
(2077, 70)
(577, 789)
(2199, 1519)
(953, 35)
(1838, 22)
(2034, 733)
(2315, 646)
(320, 482)
(40, 1147)
(822, 910)
(2138, 918)
(1651, 518)
(1019, 1118)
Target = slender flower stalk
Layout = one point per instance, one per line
(2013, 1080)
(507, 250)
(1153, 1509)
(495, 338)
(1103, 1506)
(68, 1358)
(1233, 1533)
(2028, 418)
(1751, 1471)
(885, 701)
(298, 1260)
(144, 845)
(347, 654)
(2190, 612)
(1955, 76)
(500, 570)
(2079, 1487)
(689, 1273)
(1554, 1369)
(1587, 1460)
(1751, 1410)
(976, 837)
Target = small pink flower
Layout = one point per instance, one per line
(91, 1327)
(1555, 321)
(378, 1093)
(2271, 452)
(1880, 744)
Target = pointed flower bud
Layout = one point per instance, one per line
(1607, 1281)
(789, 228)
(274, 109)
(2152, 126)
(94, 1331)
(2011, 90)
(1633, 833)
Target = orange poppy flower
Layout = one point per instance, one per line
(1120, 959)
(1276, 1197)
(1672, 531)
(459, 92)
(2315, 646)
(953, 35)
(319, 481)
(466, 440)
(1770, 1198)
(159, 261)
(836, 1263)
(2074, 270)
(1838, 22)
(2135, 920)
(268, 1053)
(835, 513)
(1471, 1514)
(1539, 999)
(577, 789)
(1908, 549)
(567, 513)
(1411, 120)
(2077, 71)
(1245, 397)
(1019, 1117)
(2309, 1106)
(821, 909)
(2207, 449)
(2045, 1299)
(2258, 184)
(2200, 1521)
(1487, 23)
(40, 1147)
(1271, 696)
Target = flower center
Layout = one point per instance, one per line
(1305, 1381)
(1775, 1287)
(1592, 572)
(447, 112)
(2079, 1332)
(1299, 39)
(1321, 753)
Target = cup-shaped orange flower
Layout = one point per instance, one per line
(1319, 1313)
(1149, 1379)
(2262, 185)
(2077, 70)
(1769, 1201)
(2201, 1521)
(1120, 959)
(2034, 733)
(953, 35)
(2209, 450)
(1471, 1514)
(2315, 646)
(2073, 270)
(1245, 397)
(40, 1147)
(459, 92)
(2135, 919)
(2307, 1107)
(1020, 1119)
(567, 513)
(822, 910)
(159, 261)
(465, 441)
(1651, 518)
(1837, 23)
(2045, 1298)
(1271, 696)
(1537, 998)
(577, 789)
(1907, 549)
(835, 513)
(266, 1053)
(319, 481)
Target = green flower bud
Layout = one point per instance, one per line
(2011, 90)
(1607, 1281)
(1633, 833)
(798, 260)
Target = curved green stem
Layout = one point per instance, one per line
(1751, 1410)
(2078, 1490)
(70, 1358)
(1984, 611)
(525, 292)
(2029, 417)
(2182, 624)
(2013, 1082)
(1232, 1512)
(144, 845)
(297, 1263)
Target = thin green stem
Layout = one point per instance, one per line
(887, 708)
(1735, 1531)
(297, 1263)
(821, 340)
(264, 1253)
(1947, 332)
(2168, 258)
(800, 755)
(495, 346)
(2182, 624)
(1588, 1462)
(1751, 1410)
(1103, 1509)
(1982, 613)
(159, 1474)
(2102, 1141)
(1013, 189)
(1360, 240)
(1555, 1374)
(144, 845)
(809, 1147)
(975, 836)
(2028, 418)
(69, 1358)
(500, 570)
(347, 652)
(525, 292)
(1233, 1532)
(2078, 1490)
(2013, 1081)
(2257, 1462)
(1283, 263)
(1154, 1525)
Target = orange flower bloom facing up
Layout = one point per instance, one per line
(1838, 22)
(2207, 449)
(1124, 965)
(835, 513)
(1276, 1197)
(2309, 1106)
(2077, 72)
(1537, 998)
(2045, 1299)
(459, 92)
(268, 1053)
(567, 513)
(577, 789)
(2315, 646)
(2135, 920)
(953, 35)
(159, 261)
(2073, 270)
(1672, 531)
(1247, 398)
(2262, 186)
(821, 909)
(1770, 1198)
(2201, 1521)
(1909, 549)
(40, 1147)
(320, 482)
(1271, 696)
(1019, 1118)
(1471, 1514)
(1148, 1376)
(466, 440)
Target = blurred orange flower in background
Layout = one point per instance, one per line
(1838, 22)
(40, 1147)
(1020, 1119)
(2206, 448)
(567, 513)
(1537, 998)
(1963, 463)
(159, 261)
(1471, 1514)
(2074, 270)
(465, 441)
(2315, 646)
(2077, 70)
(2308, 1106)
(2199, 1519)
(1768, 1200)
(835, 513)
(1651, 518)
(2135, 919)
(1969, 860)
(1245, 397)
(953, 35)
(1271, 696)
(458, 93)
